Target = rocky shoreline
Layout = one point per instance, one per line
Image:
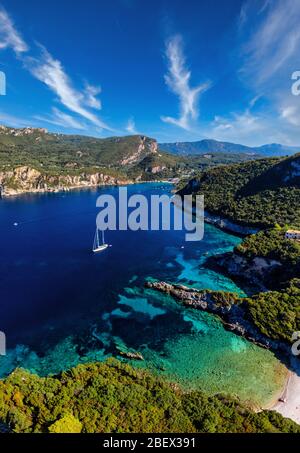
(227, 306)
(253, 274)
(227, 225)
(29, 180)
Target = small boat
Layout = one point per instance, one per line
(97, 247)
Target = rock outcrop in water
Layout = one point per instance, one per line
(227, 306)
(132, 355)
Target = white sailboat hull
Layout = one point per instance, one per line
(100, 248)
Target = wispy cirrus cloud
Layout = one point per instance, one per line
(59, 118)
(237, 124)
(51, 72)
(270, 52)
(9, 36)
(178, 79)
(90, 95)
(130, 127)
(251, 128)
(275, 40)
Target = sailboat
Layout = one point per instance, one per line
(97, 247)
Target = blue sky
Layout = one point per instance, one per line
(171, 69)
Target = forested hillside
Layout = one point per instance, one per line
(112, 397)
(261, 193)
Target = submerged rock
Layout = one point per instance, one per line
(131, 355)
(228, 306)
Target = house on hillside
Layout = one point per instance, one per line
(293, 234)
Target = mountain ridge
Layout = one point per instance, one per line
(32, 159)
(215, 146)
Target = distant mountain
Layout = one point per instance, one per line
(135, 156)
(32, 159)
(215, 146)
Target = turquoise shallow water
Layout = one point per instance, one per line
(61, 305)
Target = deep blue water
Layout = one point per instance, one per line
(61, 304)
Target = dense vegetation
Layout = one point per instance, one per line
(277, 313)
(113, 397)
(273, 245)
(222, 298)
(57, 153)
(184, 166)
(262, 193)
(136, 157)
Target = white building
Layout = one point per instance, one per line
(293, 234)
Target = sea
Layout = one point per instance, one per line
(62, 305)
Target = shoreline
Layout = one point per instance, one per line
(81, 187)
(227, 225)
(288, 403)
(290, 393)
(286, 400)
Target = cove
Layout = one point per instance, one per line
(61, 305)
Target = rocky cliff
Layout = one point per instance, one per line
(27, 179)
(145, 147)
(33, 160)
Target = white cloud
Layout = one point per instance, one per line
(251, 129)
(9, 36)
(131, 127)
(51, 73)
(291, 114)
(237, 125)
(62, 119)
(275, 41)
(270, 50)
(90, 96)
(254, 100)
(259, 6)
(178, 80)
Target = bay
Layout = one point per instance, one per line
(62, 305)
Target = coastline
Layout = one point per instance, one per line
(219, 222)
(291, 390)
(227, 225)
(60, 189)
(286, 401)
(78, 187)
(288, 404)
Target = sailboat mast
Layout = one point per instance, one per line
(97, 247)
